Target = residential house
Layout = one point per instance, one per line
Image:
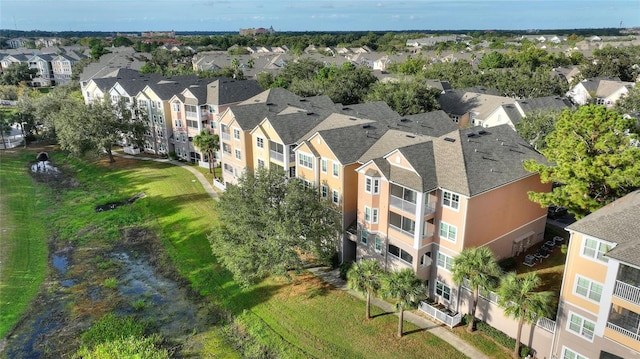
(471, 107)
(17, 42)
(511, 114)
(11, 59)
(600, 90)
(48, 42)
(44, 76)
(599, 308)
(62, 66)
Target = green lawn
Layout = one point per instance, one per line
(299, 319)
(23, 244)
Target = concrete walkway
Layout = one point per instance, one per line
(208, 187)
(332, 277)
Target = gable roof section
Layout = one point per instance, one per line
(617, 222)
(390, 140)
(476, 160)
(291, 127)
(377, 110)
(434, 123)
(422, 158)
(348, 143)
(224, 91)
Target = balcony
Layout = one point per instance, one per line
(225, 136)
(429, 208)
(402, 205)
(441, 314)
(627, 292)
(635, 335)
(191, 114)
(277, 156)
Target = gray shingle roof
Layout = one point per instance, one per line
(224, 91)
(472, 161)
(291, 127)
(349, 143)
(377, 110)
(422, 158)
(435, 123)
(618, 222)
(544, 104)
(249, 116)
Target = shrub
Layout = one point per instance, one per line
(501, 338)
(139, 304)
(111, 328)
(130, 347)
(110, 282)
(344, 268)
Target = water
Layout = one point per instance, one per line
(60, 263)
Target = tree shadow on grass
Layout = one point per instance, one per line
(381, 314)
(413, 331)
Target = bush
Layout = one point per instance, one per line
(344, 268)
(501, 338)
(111, 328)
(130, 347)
(111, 283)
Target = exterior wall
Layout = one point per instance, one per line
(579, 94)
(604, 338)
(499, 217)
(498, 117)
(92, 93)
(535, 337)
(611, 100)
(159, 130)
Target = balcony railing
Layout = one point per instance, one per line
(402, 205)
(546, 324)
(408, 233)
(623, 331)
(429, 208)
(627, 292)
(225, 136)
(191, 114)
(276, 156)
(443, 316)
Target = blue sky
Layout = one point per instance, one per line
(315, 15)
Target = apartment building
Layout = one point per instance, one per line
(200, 106)
(599, 309)
(421, 204)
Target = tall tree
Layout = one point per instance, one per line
(594, 160)
(365, 277)
(536, 126)
(479, 267)
(17, 73)
(407, 97)
(209, 144)
(406, 289)
(520, 301)
(99, 126)
(5, 126)
(629, 104)
(270, 225)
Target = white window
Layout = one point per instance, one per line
(323, 165)
(570, 354)
(402, 223)
(588, 289)
(236, 134)
(450, 200)
(305, 160)
(443, 291)
(445, 261)
(335, 197)
(307, 184)
(260, 164)
(260, 142)
(364, 237)
(595, 249)
(580, 326)
(238, 154)
(448, 231)
(336, 169)
(378, 245)
(370, 215)
(372, 185)
(424, 260)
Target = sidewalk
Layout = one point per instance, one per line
(332, 277)
(208, 187)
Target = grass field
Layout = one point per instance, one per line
(298, 319)
(23, 240)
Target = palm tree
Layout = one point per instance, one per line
(520, 301)
(364, 277)
(478, 265)
(207, 143)
(406, 288)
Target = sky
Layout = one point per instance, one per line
(315, 15)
